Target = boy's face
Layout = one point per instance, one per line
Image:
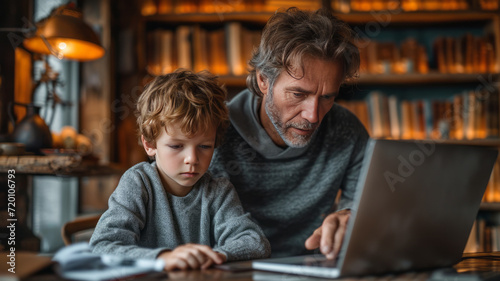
(181, 161)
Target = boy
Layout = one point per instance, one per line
(171, 209)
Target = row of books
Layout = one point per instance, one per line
(387, 57)
(466, 54)
(346, 6)
(484, 237)
(227, 51)
(152, 7)
(465, 116)
(222, 51)
(492, 193)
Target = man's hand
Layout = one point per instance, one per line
(191, 256)
(330, 234)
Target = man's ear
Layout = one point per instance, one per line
(150, 149)
(263, 83)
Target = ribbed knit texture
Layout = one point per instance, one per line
(143, 219)
(290, 191)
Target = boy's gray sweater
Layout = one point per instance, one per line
(144, 220)
(289, 191)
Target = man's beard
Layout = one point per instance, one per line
(296, 140)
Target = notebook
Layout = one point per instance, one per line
(415, 204)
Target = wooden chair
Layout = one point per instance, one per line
(79, 224)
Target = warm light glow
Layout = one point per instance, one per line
(62, 46)
(65, 35)
(73, 49)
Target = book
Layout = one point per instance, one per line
(394, 117)
(495, 181)
(166, 51)
(489, 193)
(468, 42)
(234, 48)
(386, 121)
(457, 123)
(464, 112)
(472, 245)
(492, 115)
(440, 55)
(471, 116)
(363, 115)
(375, 108)
(183, 44)
(427, 107)
(200, 49)
(449, 46)
(467, 115)
(217, 52)
(458, 56)
(406, 120)
(480, 112)
(153, 65)
(481, 49)
(77, 262)
(418, 120)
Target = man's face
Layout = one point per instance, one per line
(293, 110)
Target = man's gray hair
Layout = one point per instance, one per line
(291, 35)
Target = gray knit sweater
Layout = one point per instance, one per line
(290, 191)
(143, 219)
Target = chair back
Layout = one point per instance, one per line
(77, 225)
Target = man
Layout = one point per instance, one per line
(290, 148)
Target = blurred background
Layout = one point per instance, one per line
(71, 71)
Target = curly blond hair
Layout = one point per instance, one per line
(195, 101)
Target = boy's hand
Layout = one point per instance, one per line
(191, 256)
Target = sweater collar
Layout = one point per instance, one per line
(244, 115)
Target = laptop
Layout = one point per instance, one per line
(414, 208)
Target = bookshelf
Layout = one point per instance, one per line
(418, 78)
(422, 18)
(413, 50)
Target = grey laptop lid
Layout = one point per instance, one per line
(414, 209)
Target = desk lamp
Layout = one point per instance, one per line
(64, 35)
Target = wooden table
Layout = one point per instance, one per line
(23, 169)
(474, 267)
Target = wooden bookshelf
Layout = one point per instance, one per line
(488, 21)
(490, 206)
(390, 79)
(351, 18)
(426, 18)
(248, 17)
(417, 78)
(479, 142)
(233, 81)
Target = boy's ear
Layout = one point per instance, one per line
(150, 149)
(262, 82)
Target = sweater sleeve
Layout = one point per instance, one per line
(119, 229)
(350, 180)
(236, 234)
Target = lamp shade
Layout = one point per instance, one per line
(65, 35)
